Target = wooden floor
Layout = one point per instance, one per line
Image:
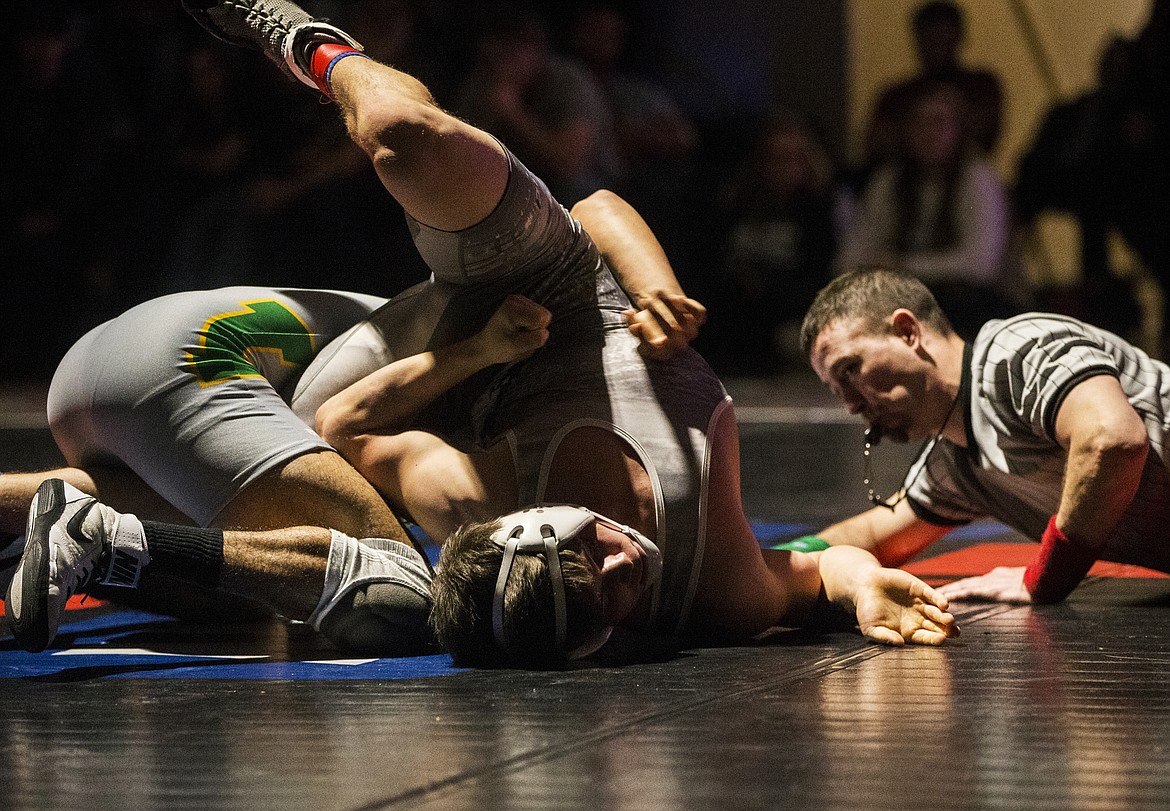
(1065, 707)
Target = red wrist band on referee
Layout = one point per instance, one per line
(1060, 565)
(324, 58)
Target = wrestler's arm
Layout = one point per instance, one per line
(368, 423)
(744, 590)
(385, 401)
(890, 605)
(798, 589)
(893, 536)
(664, 319)
(1107, 446)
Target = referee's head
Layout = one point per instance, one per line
(870, 295)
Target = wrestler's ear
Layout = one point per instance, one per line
(906, 327)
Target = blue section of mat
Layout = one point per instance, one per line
(125, 644)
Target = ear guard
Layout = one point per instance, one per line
(544, 530)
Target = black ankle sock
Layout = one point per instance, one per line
(192, 554)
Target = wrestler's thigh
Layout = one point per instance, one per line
(317, 489)
(125, 491)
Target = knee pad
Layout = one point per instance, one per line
(376, 599)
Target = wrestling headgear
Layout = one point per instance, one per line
(545, 530)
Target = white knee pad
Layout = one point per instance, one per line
(376, 599)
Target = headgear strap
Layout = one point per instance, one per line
(537, 531)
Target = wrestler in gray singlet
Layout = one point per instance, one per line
(589, 373)
(190, 390)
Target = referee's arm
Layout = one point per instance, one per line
(893, 536)
(1107, 445)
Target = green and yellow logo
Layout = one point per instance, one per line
(239, 344)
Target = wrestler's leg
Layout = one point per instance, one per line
(444, 172)
(125, 491)
(119, 487)
(315, 489)
(371, 594)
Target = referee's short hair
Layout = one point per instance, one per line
(870, 294)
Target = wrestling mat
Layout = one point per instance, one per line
(101, 640)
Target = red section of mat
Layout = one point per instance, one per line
(984, 557)
(74, 602)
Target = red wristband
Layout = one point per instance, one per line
(1060, 565)
(324, 57)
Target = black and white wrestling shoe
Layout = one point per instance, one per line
(282, 31)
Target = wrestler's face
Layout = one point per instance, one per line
(877, 374)
(625, 570)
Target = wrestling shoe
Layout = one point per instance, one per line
(281, 30)
(71, 542)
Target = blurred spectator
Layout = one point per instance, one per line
(939, 30)
(656, 140)
(1104, 158)
(938, 210)
(778, 248)
(1068, 169)
(649, 124)
(547, 108)
(1139, 174)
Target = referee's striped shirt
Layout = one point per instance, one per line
(1018, 372)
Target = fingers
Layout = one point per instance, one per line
(666, 324)
(954, 591)
(518, 328)
(916, 620)
(679, 313)
(924, 636)
(525, 312)
(937, 616)
(887, 636)
(935, 597)
(969, 588)
(926, 632)
(528, 321)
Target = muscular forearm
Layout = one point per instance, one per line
(388, 399)
(893, 537)
(628, 245)
(1107, 445)
(1100, 482)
